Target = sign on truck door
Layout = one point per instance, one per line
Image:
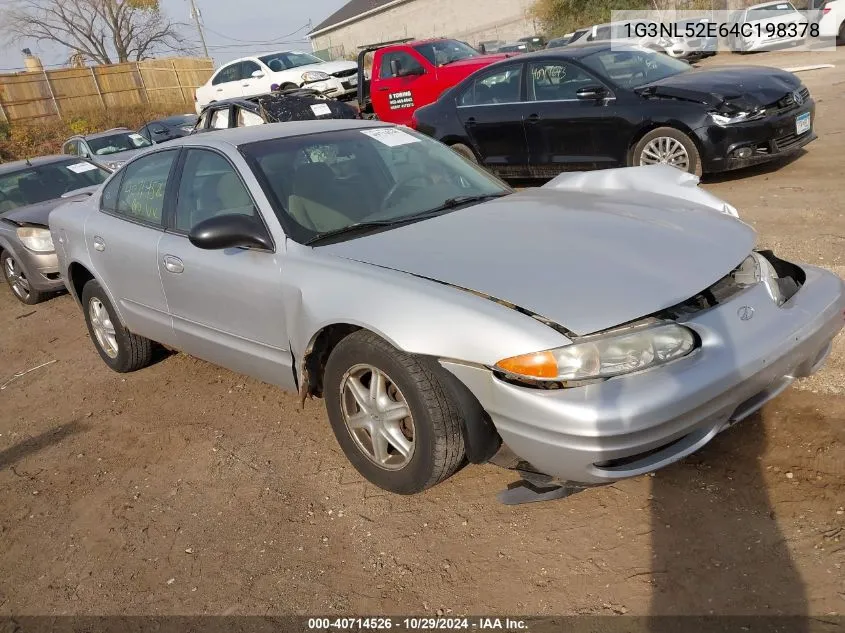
(404, 84)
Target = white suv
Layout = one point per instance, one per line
(251, 76)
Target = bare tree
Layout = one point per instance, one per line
(103, 31)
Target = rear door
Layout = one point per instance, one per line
(123, 243)
(492, 111)
(397, 91)
(227, 304)
(565, 132)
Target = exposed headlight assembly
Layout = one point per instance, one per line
(314, 75)
(604, 355)
(36, 239)
(115, 164)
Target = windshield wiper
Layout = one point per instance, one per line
(369, 225)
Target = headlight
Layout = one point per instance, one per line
(757, 269)
(314, 75)
(604, 355)
(115, 164)
(739, 117)
(36, 239)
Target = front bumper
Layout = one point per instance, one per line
(41, 269)
(334, 87)
(636, 424)
(768, 139)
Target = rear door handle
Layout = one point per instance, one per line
(533, 118)
(99, 243)
(173, 264)
(470, 121)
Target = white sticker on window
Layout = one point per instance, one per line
(137, 138)
(391, 136)
(320, 109)
(79, 168)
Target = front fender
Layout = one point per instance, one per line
(414, 314)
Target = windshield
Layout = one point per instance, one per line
(289, 59)
(31, 185)
(634, 67)
(117, 142)
(444, 52)
(332, 180)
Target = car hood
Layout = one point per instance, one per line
(33, 213)
(587, 261)
(743, 86)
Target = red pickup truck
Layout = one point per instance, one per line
(408, 74)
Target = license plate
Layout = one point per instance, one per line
(802, 123)
(353, 80)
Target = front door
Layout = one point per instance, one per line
(402, 81)
(124, 244)
(226, 304)
(492, 110)
(565, 132)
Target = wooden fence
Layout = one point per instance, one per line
(30, 96)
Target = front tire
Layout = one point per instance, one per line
(667, 146)
(18, 283)
(392, 415)
(118, 347)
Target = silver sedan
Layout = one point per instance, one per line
(578, 332)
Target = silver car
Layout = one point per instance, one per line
(109, 149)
(29, 190)
(578, 334)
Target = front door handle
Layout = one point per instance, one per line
(533, 118)
(99, 243)
(173, 264)
(470, 121)
(383, 89)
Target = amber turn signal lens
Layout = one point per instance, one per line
(539, 365)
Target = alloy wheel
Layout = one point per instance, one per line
(665, 150)
(103, 327)
(17, 279)
(377, 417)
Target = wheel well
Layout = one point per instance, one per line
(79, 276)
(317, 354)
(653, 126)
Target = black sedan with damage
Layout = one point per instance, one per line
(594, 107)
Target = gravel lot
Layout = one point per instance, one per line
(185, 488)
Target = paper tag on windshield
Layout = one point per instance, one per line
(391, 136)
(79, 168)
(320, 109)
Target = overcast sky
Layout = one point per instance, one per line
(254, 21)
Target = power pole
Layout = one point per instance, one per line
(195, 13)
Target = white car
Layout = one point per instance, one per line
(252, 76)
(832, 22)
(769, 25)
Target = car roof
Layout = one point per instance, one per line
(114, 130)
(253, 133)
(37, 161)
(574, 51)
(766, 5)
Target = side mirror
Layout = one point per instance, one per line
(591, 93)
(230, 231)
(258, 74)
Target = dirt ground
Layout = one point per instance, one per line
(187, 489)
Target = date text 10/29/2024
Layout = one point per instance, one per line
(506, 625)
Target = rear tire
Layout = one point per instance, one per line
(465, 151)
(20, 286)
(373, 392)
(118, 347)
(667, 145)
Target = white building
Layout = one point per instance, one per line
(361, 22)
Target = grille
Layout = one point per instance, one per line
(787, 102)
(346, 73)
(789, 140)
